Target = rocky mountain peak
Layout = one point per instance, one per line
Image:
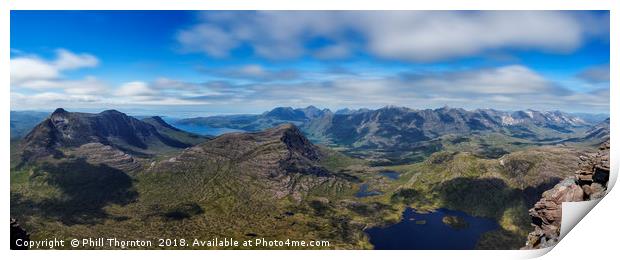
(281, 157)
(311, 108)
(314, 112)
(59, 111)
(286, 113)
(297, 142)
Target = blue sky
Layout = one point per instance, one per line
(185, 63)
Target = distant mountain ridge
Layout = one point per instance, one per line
(23, 121)
(596, 134)
(400, 134)
(70, 130)
(396, 126)
(600, 130)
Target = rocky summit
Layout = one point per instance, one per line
(280, 158)
(589, 182)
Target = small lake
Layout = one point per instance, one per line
(428, 232)
(391, 174)
(205, 130)
(364, 192)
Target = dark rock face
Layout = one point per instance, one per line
(297, 143)
(17, 232)
(590, 182)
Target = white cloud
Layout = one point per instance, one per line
(430, 36)
(33, 72)
(67, 60)
(206, 38)
(26, 69)
(88, 85)
(253, 72)
(403, 35)
(513, 79)
(48, 100)
(163, 91)
(507, 87)
(135, 89)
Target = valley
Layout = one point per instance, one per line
(303, 174)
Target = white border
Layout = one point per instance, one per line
(595, 237)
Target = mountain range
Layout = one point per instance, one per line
(398, 134)
(110, 174)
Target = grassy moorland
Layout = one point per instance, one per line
(71, 198)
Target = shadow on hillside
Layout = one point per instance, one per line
(86, 189)
(488, 196)
(492, 197)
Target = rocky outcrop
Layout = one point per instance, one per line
(97, 153)
(589, 182)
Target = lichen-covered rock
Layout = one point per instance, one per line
(590, 182)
